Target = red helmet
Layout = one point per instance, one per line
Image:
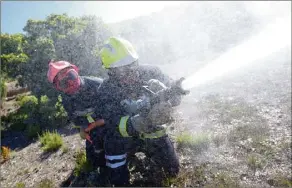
(56, 67)
(64, 76)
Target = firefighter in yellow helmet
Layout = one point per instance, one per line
(140, 100)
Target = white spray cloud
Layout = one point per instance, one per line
(272, 39)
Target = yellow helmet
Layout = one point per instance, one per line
(117, 52)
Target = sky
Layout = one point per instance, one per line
(14, 14)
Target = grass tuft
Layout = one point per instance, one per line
(254, 162)
(20, 185)
(45, 183)
(51, 141)
(82, 165)
(196, 142)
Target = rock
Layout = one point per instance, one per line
(271, 182)
(243, 177)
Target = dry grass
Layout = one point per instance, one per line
(244, 131)
(187, 177)
(5, 153)
(223, 180)
(280, 180)
(255, 162)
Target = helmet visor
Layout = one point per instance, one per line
(67, 80)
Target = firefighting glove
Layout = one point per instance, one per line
(160, 113)
(133, 107)
(140, 123)
(176, 87)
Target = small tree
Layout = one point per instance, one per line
(12, 55)
(61, 37)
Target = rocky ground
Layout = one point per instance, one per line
(244, 123)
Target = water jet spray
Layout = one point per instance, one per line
(275, 37)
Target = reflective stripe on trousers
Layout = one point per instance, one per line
(121, 160)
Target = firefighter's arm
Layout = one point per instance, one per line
(68, 108)
(159, 114)
(92, 123)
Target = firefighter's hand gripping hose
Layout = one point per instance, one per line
(177, 88)
(170, 92)
(164, 95)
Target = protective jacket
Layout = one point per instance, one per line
(85, 99)
(118, 146)
(112, 93)
(81, 111)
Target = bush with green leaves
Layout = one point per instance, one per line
(12, 55)
(28, 102)
(17, 121)
(51, 141)
(32, 131)
(3, 88)
(35, 115)
(61, 37)
(45, 113)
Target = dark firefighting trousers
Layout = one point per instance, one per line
(117, 148)
(95, 150)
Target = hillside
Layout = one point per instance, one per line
(234, 131)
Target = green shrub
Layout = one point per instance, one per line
(82, 165)
(44, 113)
(44, 99)
(60, 114)
(51, 141)
(17, 121)
(20, 97)
(28, 101)
(54, 115)
(33, 131)
(3, 89)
